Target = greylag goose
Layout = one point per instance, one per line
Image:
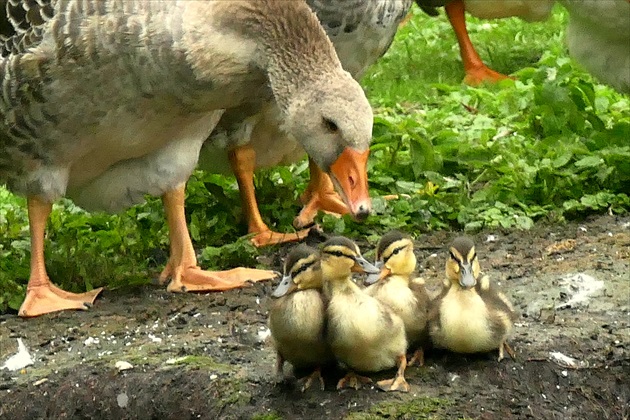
(104, 101)
(361, 31)
(476, 71)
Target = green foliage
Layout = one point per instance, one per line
(551, 145)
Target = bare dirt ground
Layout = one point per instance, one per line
(205, 356)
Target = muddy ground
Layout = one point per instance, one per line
(205, 356)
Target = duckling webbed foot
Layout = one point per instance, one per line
(352, 380)
(308, 380)
(398, 383)
(418, 356)
(506, 347)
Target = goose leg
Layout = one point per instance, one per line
(320, 194)
(42, 296)
(399, 383)
(243, 162)
(182, 267)
(476, 71)
(352, 380)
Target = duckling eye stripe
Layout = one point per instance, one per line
(454, 257)
(394, 252)
(339, 254)
(303, 268)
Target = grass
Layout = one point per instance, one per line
(551, 145)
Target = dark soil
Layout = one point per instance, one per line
(205, 356)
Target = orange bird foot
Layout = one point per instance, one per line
(47, 298)
(418, 356)
(326, 200)
(308, 381)
(352, 380)
(397, 384)
(480, 75)
(269, 237)
(506, 347)
(194, 279)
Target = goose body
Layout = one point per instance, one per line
(598, 37)
(105, 101)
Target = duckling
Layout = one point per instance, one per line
(469, 315)
(394, 286)
(364, 333)
(297, 316)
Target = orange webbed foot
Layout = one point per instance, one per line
(352, 380)
(194, 279)
(269, 237)
(480, 75)
(47, 298)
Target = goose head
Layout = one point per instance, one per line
(321, 105)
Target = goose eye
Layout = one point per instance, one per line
(330, 125)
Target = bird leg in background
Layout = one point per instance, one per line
(308, 380)
(399, 383)
(320, 194)
(182, 267)
(352, 380)
(418, 356)
(42, 296)
(243, 162)
(476, 71)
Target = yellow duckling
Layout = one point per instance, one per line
(469, 315)
(297, 316)
(394, 286)
(364, 334)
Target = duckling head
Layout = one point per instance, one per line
(394, 255)
(301, 271)
(462, 266)
(340, 257)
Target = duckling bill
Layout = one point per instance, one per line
(364, 334)
(469, 315)
(297, 316)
